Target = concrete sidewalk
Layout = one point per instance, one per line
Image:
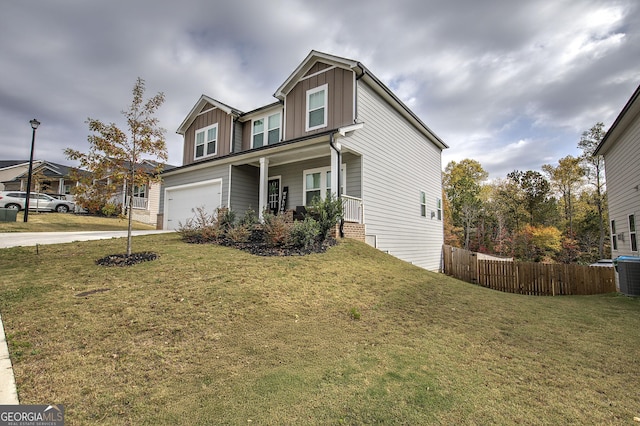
(8, 392)
(16, 239)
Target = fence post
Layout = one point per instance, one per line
(474, 268)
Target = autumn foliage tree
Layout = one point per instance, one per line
(115, 155)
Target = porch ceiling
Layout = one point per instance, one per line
(289, 154)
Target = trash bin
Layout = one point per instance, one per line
(8, 215)
(628, 268)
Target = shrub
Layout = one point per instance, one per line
(249, 218)
(327, 213)
(203, 227)
(305, 233)
(277, 232)
(239, 234)
(110, 209)
(226, 219)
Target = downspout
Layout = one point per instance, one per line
(339, 195)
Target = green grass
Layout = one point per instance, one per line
(62, 222)
(211, 335)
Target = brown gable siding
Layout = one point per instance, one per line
(319, 66)
(340, 112)
(225, 124)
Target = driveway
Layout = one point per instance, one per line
(16, 239)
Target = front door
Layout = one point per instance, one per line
(273, 197)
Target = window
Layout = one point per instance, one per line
(317, 183)
(206, 141)
(140, 191)
(423, 204)
(614, 236)
(67, 189)
(316, 108)
(439, 208)
(632, 233)
(272, 130)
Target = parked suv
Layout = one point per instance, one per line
(41, 202)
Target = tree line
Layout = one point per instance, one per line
(556, 215)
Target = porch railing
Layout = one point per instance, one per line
(352, 209)
(139, 203)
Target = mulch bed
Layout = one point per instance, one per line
(124, 260)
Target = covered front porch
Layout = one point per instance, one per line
(287, 180)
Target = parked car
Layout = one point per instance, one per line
(604, 262)
(40, 202)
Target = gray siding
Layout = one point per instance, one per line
(397, 163)
(208, 173)
(622, 164)
(238, 129)
(244, 189)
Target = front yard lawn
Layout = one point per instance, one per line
(207, 334)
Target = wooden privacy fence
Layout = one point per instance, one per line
(538, 279)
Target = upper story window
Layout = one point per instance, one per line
(206, 141)
(423, 204)
(269, 132)
(439, 208)
(316, 108)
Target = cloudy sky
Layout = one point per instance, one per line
(512, 84)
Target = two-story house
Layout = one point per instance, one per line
(621, 151)
(334, 128)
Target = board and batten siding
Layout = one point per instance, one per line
(199, 175)
(622, 168)
(340, 110)
(398, 162)
(212, 116)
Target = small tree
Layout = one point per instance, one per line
(115, 156)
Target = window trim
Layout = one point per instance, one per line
(323, 181)
(614, 236)
(423, 203)
(439, 208)
(633, 236)
(205, 130)
(266, 130)
(325, 88)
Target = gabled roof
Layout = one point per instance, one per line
(5, 164)
(49, 169)
(302, 69)
(629, 113)
(361, 73)
(204, 100)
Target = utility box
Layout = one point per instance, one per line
(628, 268)
(8, 215)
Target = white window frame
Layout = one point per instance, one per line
(423, 203)
(205, 130)
(266, 129)
(324, 185)
(439, 208)
(310, 92)
(614, 236)
(633, 237)
(137, 191)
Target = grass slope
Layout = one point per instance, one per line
(211, 335)
(62, 222)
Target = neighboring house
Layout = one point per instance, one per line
(47, 177)
(621, 151)
(333, 121)
(146, 198)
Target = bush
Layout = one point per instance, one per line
(226, 219)
(327, 213)
(249, 218)
(305, 233)
(239, 234)
(203, 227)
(277, 232)
(110, 209)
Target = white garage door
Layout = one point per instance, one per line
(182, 201)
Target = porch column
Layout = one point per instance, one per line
(335, 169)
(264, 184)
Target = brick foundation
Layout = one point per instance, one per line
(351, 230)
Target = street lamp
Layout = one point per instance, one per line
(34, 125)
